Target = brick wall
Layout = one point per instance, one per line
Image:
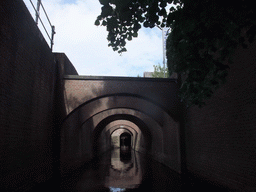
(28, 101)
(221, 137)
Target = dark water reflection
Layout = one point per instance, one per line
(127, 170)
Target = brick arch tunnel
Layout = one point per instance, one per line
(122, 131)
(87, 131)
(120, 127)
(142, 138)
(44, 102)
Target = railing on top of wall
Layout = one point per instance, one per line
(37, 10)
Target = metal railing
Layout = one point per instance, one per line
(37, 18)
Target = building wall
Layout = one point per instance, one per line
(30, 101)
(147, 74)
(221, 137)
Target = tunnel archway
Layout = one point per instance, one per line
(99, 128)
(117, 130)
(125, 147)
(125, 140)
(86, 123)
(161, 92)
(127, 101)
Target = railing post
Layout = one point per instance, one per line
(53, 32)
(39, 3)
(37, 11)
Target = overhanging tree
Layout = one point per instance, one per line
(203, 35)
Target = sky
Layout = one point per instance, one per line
(86, 45)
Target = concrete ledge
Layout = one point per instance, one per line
(117, 78)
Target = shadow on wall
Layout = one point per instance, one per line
(77, 98)
(76, 139)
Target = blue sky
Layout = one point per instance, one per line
(68, 1)
(87, 47)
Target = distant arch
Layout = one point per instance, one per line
(99, 128)
(125, 140)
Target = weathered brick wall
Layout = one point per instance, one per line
(221, 137)
(28, 120)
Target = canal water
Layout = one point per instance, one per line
(128, 170)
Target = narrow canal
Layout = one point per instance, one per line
(128, 170)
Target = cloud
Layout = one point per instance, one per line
(87, 47)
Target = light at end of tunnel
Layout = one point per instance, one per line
(114, 189)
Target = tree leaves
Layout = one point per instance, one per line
(123, 19)
(135, 34)
(106, 11)
(104, 2)
(160, 72)
(203, 35)
(97, 22)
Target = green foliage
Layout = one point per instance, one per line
(160, 72)
(204, 35)
(124, 18)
